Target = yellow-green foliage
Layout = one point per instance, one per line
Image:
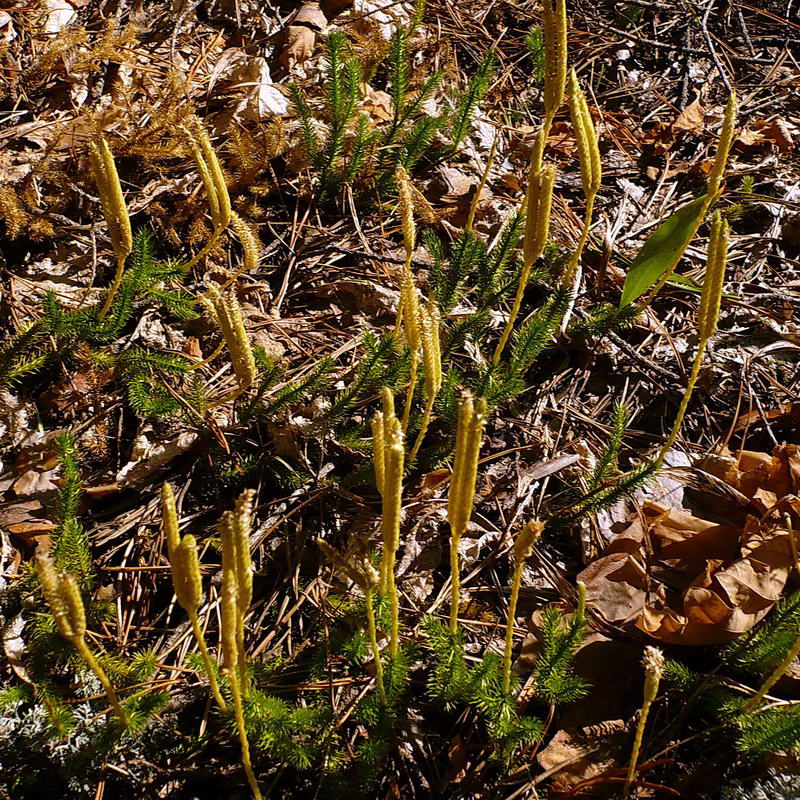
(538, 200)
(213, 178)
(471, 419)
(66, 605)
(523, 547)
(591, 171)
(707, 317)
(653, 663)
(237, 592)
(389, 454)
(224, 310)
(114, 210)
(187, 580)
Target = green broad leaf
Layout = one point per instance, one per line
(685, 282)
(662, 250)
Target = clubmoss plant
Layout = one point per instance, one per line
(780, 670)
(236, 594)
(471, 419)
(714, 186)
(234, 528)
(224, 310)
(429, 323)
(408, 314)
(187, 582)
(707, 317)
(366, 577)
(538, 199)
(389, 459)
(114, 210)
(554, 35)
(653, 663)
(591, 176)
(523, 547)
(66, 605)
(213, 178)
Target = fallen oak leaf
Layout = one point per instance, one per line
(691, 119)
(301, 35)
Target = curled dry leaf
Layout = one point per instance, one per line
(301, 35)
(691, 119)
(686, 580)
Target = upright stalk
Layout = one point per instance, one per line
(115, 212)
(94, 665)
(187, 581)
(523, 547)
(471, 419)
(516, 580)
(707, 317)
(66, 605)
(208, 664)
(653, 662)
(373, 643)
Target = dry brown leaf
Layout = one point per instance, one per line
(299, 46)
(301, 35)
(378, 104)
(616, 585)
(685, 580)
(692, 581)
(579, 755)
(691, 119)
(780, 134)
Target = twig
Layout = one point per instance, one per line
(712, 51)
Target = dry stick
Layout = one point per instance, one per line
(653, 663)
(523, 546)
(471, 419)
(707, 317)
